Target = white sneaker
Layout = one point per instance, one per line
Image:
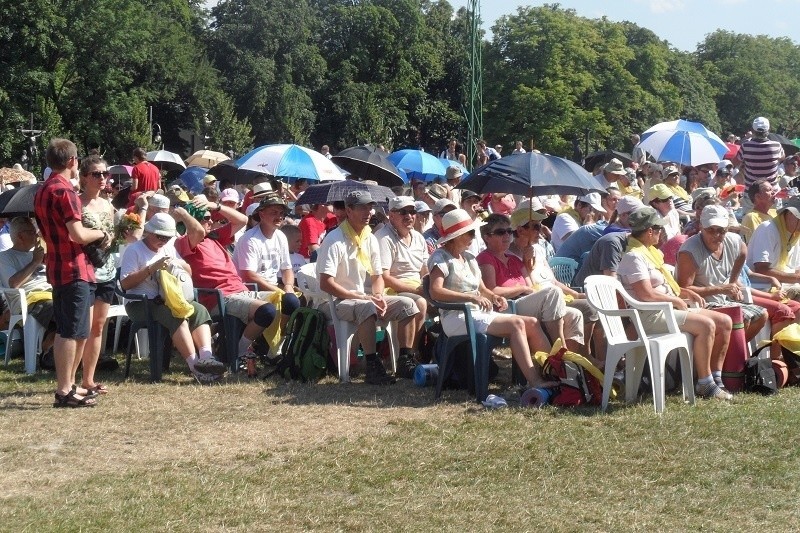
(209, 365)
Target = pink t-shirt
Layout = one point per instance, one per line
(212, 267)
(508, 275)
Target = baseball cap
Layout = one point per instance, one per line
(442, 204)
(401, 202)
(229, 195)
(670, 170)
(161, 224)
(626, 204)
(645, 217)
(359, 198)
(761, 124)
(724, 164)
(209, 179)
(593, 199)
(422, 207)
(714, 215)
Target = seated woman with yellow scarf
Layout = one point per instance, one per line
(643, 274)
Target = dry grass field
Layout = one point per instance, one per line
(283, 456)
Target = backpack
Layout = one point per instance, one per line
(305, 350)
(580, 382)
(759, 376)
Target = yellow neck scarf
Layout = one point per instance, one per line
(574, 214)
(654, 256)
(788, 240)
(360, 240)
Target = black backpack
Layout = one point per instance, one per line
(305, 350)
(759, 375)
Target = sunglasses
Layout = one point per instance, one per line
(98, 174)
(207, 218)
(406, 212)
(656, 228)
(163, 238)
(532, 226)
(716, 231)
(501, 232)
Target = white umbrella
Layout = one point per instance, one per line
(206, 158)
(684, 142)
(290, 161)
(165, 160)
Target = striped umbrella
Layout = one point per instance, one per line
(684, 142)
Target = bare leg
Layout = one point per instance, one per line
(406, 330)
(182, 340)
(515, 329)
(201, 335)
(91, 351)
(365, 335)
(723, 327)
(704, 331)
(752, 328)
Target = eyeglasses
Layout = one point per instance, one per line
(407, 212)
(501, 232)
(716, 230)
(163, 238)
(206, 218)
(98, 174)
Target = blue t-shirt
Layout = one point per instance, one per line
(581, 240)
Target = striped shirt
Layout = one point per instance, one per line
(761, 158)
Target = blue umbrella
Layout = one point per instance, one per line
(192, 177)
(531, 174)
(684, 142)
(418, 164)
(290, 161)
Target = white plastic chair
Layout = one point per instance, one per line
(601, 291)
(32, 331)
(309, 285)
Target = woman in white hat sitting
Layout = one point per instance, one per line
(456, 277)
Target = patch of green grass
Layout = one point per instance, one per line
(271, 455)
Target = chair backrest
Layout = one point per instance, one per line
(564, 269)
(15, 300)
(601, 291)
(308, 283)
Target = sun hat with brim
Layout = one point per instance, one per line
(792, 205)
(644, 218)
(659, 191)
(614, 167)
(262, 189)
(453, 173)
(593, 199)
(422, 207)
(466, 194)
(159, 201)
(161, 224)
(456, 223)
(714, 215)
(272, 199)
(438, 191)
(522, 215)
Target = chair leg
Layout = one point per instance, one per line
(687, 376)
(481, 355)
(156, 352)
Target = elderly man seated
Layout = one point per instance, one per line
(586, 210)
(140, 264)
(22, 267)
(347, 256)
(404, 258)
(774, 249)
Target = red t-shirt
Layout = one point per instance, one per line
(310, 231)
(509, 275)
(56, 203)
(212, 267)
(148, 175)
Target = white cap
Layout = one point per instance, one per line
(724, 164)
(441, 204)
(626, 204)
(714, 215)
(593, 199)
(159, 201)
(400, 202)
(422, 207)
(761, 124)
(161, 224)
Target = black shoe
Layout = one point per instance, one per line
(376, 373)
(406, 366)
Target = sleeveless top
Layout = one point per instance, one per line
(710, 270)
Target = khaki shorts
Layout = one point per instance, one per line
(357, 311)
(239, 304)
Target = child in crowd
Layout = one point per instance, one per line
(293, 236)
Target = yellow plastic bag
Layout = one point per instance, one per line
(789, 337)
(172, 292)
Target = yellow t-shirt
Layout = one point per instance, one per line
(752, 220)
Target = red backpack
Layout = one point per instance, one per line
(579, 384)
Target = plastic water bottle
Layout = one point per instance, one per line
(426, 375)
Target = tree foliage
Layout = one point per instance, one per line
(343, 72)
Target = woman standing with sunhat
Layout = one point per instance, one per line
(643, 274)
(456, 277)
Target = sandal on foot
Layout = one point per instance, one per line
(70, 400)
(88, 393)
(97, 388)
